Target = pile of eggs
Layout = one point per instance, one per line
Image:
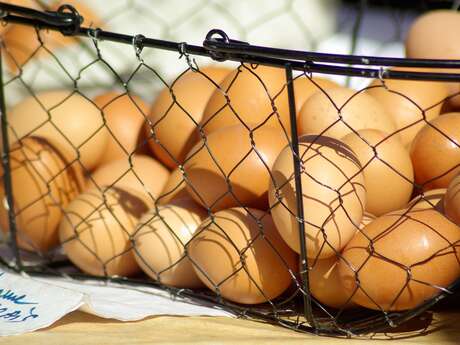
(197, 190)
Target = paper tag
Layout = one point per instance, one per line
(27, 305)
(116, 301)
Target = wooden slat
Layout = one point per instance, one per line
(80, 328)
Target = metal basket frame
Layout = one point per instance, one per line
(219, 47)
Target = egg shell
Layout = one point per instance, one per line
(411, 253)
(229, 153)
(409, 103)
(96, 229)
(435, 152)
(320, 113)
(390, 163)
(325, 283)
(452, 200)
(268, 266)
(43, 183)
(143, 174)
(434, 35)
(432, 199)
(304, 88)
(160, 240)
(68, 120)
(22, 43)
(333, 192)
(124, 116)
(245, 96)
(178, 110)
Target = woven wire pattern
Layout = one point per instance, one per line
(114, 208)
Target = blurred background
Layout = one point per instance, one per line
(360, 27)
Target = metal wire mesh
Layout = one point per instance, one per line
(248, 211)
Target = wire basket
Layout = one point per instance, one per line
(228, 196)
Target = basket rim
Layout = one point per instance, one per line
(219, 47)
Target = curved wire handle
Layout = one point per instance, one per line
(223, 48)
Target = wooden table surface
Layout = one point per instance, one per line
(80, 328)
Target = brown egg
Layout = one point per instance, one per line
(43, 183)
(124, 115)
(174, 121)
(96, 229)
(268, 267)
(409, 103)
(452, 200)
(320, 113)
(228, 154)
(434, 35)
(304, 87)
(144, 174)
(70, 122)
(388, 172)
(411, 254)
(435, 152)
(22, 42)
(160, 240)
(325, 283)
(333, 191)
(245, 96)
(432, 199)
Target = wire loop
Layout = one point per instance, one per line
(138, 46)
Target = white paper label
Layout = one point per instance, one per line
(128, 303)
(27, 305)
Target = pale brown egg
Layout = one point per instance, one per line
(434, 35)
(333, 192)
(96, 229)
(304, 88)
(413, 255)
(435, 152)
(388, 171)
(228, 155)
(143, 174)
(22, 43)
(178, 110)
(452, 200)
(245, 96)
(218, 249)
(409, 103)
(68, 120)
(160, 240)
(333, 112)
(432, 199)
(43, 183)
(325, 283)
(124, 115)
